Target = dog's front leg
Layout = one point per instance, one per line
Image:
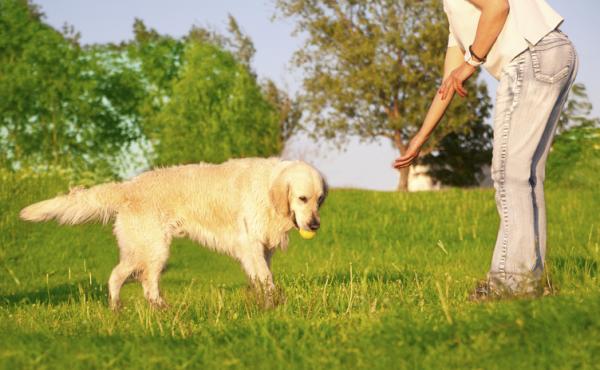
(256, 265)
(257, 269)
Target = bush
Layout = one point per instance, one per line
(574, 160)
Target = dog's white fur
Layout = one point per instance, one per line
(243, 207)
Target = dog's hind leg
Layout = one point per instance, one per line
(144, 247)
(153, 267)
(118, 276)
(128, 263)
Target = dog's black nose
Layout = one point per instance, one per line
(314, 224)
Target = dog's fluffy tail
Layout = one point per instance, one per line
(80, 205)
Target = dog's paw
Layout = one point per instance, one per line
(115, 305)
(158, 304)
(266, 299)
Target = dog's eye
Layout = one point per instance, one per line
(303, 199)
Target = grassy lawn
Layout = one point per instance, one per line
(383, 285)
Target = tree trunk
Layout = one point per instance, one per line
(403, 181)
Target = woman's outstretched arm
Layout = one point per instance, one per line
(454, 59)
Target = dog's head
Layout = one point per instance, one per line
(297, 193)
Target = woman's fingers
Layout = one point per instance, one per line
(460, 89)
(401, 165)
(404, 161)
(450, 85)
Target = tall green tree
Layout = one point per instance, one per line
(372, 66)
(216, 111)
(61, 105)
(288, 109)
(160, 59)
(201, 90)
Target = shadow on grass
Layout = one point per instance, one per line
(78, 291)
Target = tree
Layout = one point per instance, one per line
(577, 110)
(460, 156)
(372, 67)
(243, 47)
(574, 162)
(575, 158)
(289, 110)
(216, 111)
(86, 107)
(61, 105)
(160, 58)
(166, 66)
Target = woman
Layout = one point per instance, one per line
(518, 42)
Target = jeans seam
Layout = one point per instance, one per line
(503, 160)
(544, 141)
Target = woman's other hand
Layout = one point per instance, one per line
(454, 82)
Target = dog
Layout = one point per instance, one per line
(243, 207)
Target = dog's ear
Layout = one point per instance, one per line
(279, 195)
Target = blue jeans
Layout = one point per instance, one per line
(532, 92)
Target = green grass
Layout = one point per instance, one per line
(383, 285)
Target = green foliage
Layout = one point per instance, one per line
(289, 110)
(241, 43)
(61, 105)
(460, 157)
(577, 110)
(206, 77)
(383, 285)
(574, 160)
(217, 111)
(96, 109)
(372, 67)
(160, 58)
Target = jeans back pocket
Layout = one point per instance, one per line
(552, 59)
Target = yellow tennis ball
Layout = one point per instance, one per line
(307, 234)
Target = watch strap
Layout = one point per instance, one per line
(470, 60)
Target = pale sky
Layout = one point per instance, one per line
(366, 165)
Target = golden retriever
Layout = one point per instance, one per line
(243, 207)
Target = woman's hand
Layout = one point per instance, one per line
(455, 80)
(411, 153)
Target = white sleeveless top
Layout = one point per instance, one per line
(528, 21)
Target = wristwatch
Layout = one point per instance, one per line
(472, 59)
